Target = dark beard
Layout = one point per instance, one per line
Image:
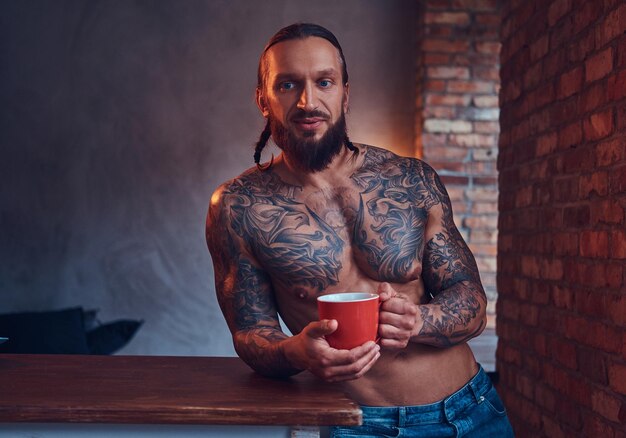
(310, 155)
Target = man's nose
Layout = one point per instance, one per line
(308, 98)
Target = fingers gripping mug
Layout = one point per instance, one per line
(357, 315)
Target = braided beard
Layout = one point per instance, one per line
(310, 155)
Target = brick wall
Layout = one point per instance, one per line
(457, 117)
(562, 243)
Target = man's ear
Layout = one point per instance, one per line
(346, 97)
(261, 103)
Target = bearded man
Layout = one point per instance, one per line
(330, 216)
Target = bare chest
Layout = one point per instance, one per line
(334, 238)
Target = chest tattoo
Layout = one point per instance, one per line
(290, 240)
(392, 214)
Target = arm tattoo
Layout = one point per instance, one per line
(455, 314)
(246, 298)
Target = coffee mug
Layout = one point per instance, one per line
(357, 315)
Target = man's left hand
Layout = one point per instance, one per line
(398, 317)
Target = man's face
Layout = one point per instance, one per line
(304, 96)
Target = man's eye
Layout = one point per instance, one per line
(325, 83)
(287, 86)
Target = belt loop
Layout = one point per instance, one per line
(476, 391)
(401, 416)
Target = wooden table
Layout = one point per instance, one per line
(162, 390)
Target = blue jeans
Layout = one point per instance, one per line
(474, 411)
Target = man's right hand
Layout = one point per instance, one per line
(310, 350)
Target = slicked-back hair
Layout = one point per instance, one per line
(293, 32)
(301, 31)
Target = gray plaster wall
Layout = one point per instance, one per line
(119, 119)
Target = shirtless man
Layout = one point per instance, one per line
(329, 216)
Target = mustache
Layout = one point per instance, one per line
(302, 114)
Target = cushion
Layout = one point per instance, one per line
(53, 332)
(108, 338)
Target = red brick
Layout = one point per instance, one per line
(472, 140)
(606, 211)
(617, 377)
(621, 53)
(594, 244)
(434, 85)
(590, 303)
(435, 45)
(554, 63)
(579, 159)
(594, 97)
(482, 87)
(485, 101)
(618, 244)
(484, 236)
(481, 222)
(599, 65)
(476, 5)
(598, 125)
(564, 352)
(570, 135)
(594, 334)
(454, 18)
(557, 10)
(610, 152)
(570, 82)
(539, 48)
(595, 426)
(613, 25)
(438, 31)
(565, 243)
(436, 59)
(592, 365)
(488, 19)
(562, 33)
(565, 189)
(486, 72)
(606, 405)
(439, 112)
(486, 127)
(585, 14)
(594, 184)
(532, 76)
(618, 179)
(616, 86)
(437, 4)
(443, 152)
(550, 427)
(450, 166)
(580, 48)
(446, 72)
(621, 117)
(576, 217)
(488, 47)
(447, 99)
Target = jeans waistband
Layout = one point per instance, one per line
(447, 409)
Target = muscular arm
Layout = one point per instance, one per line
(457, 311)
(245, 295)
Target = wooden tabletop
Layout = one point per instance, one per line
(158, 389)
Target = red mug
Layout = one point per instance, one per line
(357, 315)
